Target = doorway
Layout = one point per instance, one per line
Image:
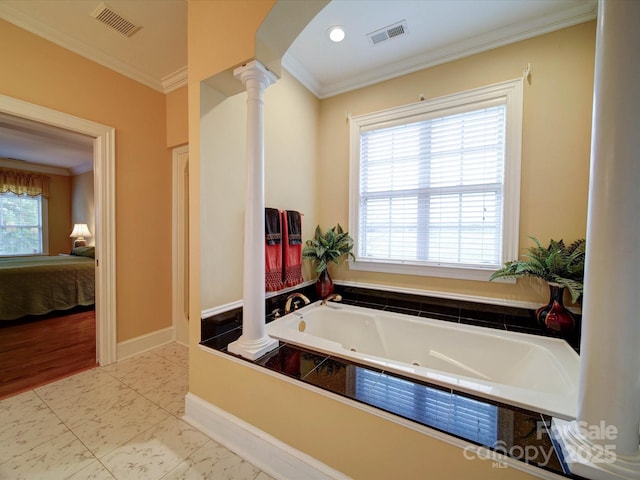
(104, 199)
(180, 242)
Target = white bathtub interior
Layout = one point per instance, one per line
(529, 371)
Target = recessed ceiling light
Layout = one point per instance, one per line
(336, 34)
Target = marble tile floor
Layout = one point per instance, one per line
(122, 421)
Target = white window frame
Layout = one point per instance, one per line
(44, 229)
(511, 94)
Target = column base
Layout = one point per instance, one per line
(253, 349)
(590, 460)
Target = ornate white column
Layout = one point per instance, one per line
(603, 442)
(254, 341)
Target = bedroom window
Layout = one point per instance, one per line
(22, 224)
(434, 186)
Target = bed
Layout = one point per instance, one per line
(42, 284)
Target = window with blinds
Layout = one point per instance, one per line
(436, 184)
(21, 224)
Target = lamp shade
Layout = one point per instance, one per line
(80, 230)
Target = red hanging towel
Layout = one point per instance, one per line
(273, 250)
(292, 248)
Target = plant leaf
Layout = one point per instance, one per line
(557, 263)
(328, 247)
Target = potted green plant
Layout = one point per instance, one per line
(562, 267)
(324, 248)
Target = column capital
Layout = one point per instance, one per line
(256, 71)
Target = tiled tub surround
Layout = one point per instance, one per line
(521, 434)
(220, 329)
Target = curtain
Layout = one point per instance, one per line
(20, 183)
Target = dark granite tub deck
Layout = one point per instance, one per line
(518, 433)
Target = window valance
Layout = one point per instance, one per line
(17, 182)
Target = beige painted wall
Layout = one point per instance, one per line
(290, 162)
(47, 75)
(177, 117)
(205, 62)
(222, 170)
(59, 206)
(555, 144)
(204, 59)
(82, 203)
(360, 444)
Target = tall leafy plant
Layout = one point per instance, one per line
(327, 247)
(556, 264)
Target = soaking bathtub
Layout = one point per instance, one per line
(529, 371)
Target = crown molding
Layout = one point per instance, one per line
(175, 80)
(63, 40)
(33, 167)
(292, 65)
(79, 170)
(489, 41)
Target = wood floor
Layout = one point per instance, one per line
(39, 350)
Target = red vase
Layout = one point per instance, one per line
(554, 317)
(324, 285)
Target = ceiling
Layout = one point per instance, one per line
(154, 55)
(33, 142)
(437, 31)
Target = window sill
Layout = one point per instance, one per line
(477, 274)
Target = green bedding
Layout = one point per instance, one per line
(38, 285)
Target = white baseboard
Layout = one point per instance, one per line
(143, 343)
(267, 453)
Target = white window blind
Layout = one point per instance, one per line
(21, 229)
(432, 184)
(465, 417)
(432, 190)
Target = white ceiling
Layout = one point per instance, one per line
(29, 141)
(438, 31)
(156, 55)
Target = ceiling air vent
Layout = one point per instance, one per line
(392, 31)
(105, 14)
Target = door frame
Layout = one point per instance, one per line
(180, 157)
(104, 159)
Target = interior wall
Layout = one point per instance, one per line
(177, 117)
(355, 442)
(290, 163)
(48, 75)
(292, 116)
(221, 176)
(555, 145)
(205, 62)
(59, 206)
(82, 203)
